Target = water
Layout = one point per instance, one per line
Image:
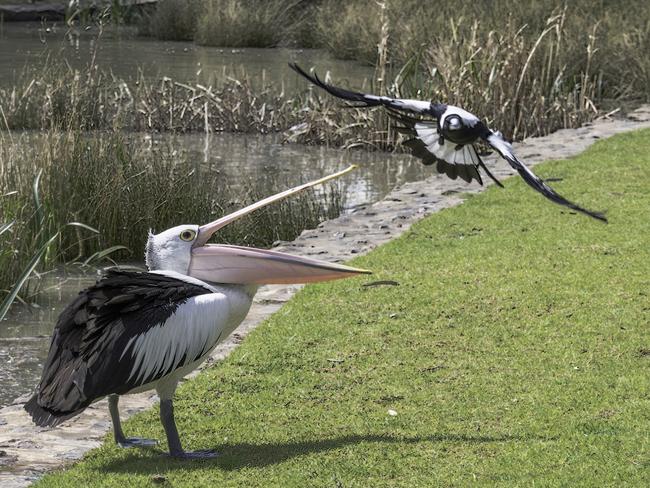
(119, 50)
(242, 158)
(25, 333)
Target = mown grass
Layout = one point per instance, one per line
(122, 188)
(514, 352)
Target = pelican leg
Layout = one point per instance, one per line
(174, 441)
(120, 439)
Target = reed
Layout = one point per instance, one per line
(58, 97)
(234, 23)
(70, 196)
(523, 85)
(171, 20)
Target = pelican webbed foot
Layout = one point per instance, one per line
(120, 439)
(129, 442)
(173, 440)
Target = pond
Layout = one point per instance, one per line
(26, 45)
(25, 333)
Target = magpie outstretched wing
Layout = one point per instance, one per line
(367, 100)
(504, 148)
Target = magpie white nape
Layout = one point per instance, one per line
(139, 331)
(447, 139)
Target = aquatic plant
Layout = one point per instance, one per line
(120, 188)
(39, 244)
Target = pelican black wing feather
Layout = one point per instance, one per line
(84, 363)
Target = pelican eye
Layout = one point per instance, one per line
(188, 235)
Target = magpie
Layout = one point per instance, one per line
(447, 138)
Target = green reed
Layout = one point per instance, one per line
(69, 196)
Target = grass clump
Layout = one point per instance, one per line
(122, 188)
(233, 23)
(514, 352)
(349, 30)
(249, 23)
(171, 20)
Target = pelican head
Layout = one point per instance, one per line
(171, 249)
(184, 249)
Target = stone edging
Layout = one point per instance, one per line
(27, 452)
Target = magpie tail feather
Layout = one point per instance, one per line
(487, 171)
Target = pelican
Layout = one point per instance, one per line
(448, 140)
(139, 331)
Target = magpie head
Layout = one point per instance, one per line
(453, 122)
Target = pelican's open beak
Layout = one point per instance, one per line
(246, 265)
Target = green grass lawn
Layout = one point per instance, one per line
(516, 351)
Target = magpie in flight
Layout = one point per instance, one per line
(447, 140)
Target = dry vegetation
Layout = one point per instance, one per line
(61, 98)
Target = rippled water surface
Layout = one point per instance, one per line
(243, 159)
(25, 334)
(119, 50)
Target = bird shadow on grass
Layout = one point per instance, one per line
(245, 455)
